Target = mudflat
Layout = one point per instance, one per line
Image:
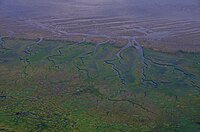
(162, 25)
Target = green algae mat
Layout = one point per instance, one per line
(60, 86)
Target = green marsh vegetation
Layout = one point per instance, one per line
(64, 86)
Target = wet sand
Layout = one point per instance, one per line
(162, 25)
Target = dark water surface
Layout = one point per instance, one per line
(170, 24)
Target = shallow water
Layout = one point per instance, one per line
(174, 24)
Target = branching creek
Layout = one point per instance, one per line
(28, 53)
(145, 34)
(132, 41)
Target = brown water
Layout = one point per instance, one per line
(168, 25)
